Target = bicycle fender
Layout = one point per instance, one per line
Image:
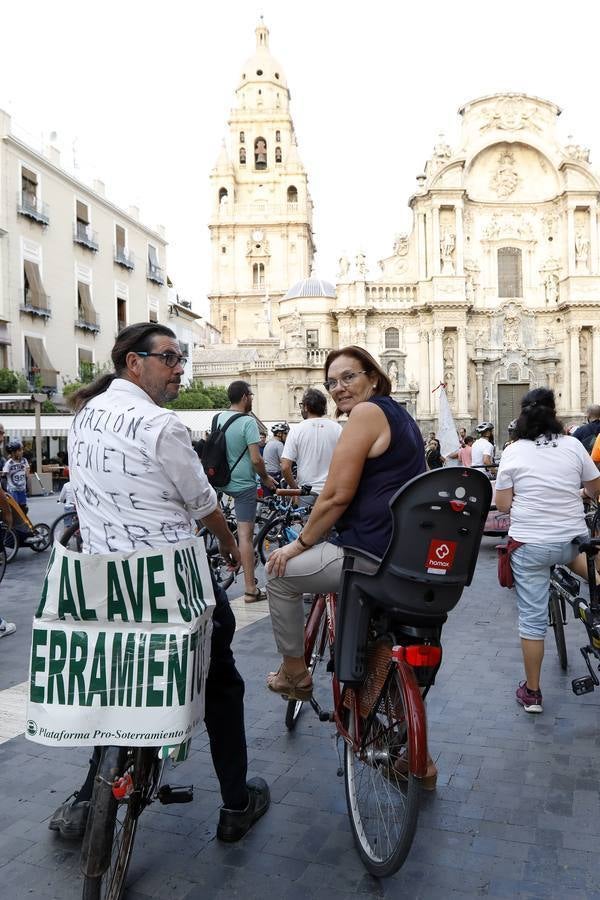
(416, 718)
(97, 843)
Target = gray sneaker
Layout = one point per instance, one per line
(70, 818)
(7, 628)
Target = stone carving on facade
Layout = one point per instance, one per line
(512, 328)
(360, 262)
(400, 245)
(442, 149)
(510, 114)
(505, 179)
(511, 225)
(550, 223)
(582, 245)
(257, 248)
(344, 266)
(576, 151)
(393, 376)
(585, 365)
(449, 365)
(551, 287)
(447, 245)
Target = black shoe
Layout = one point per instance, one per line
(70, 818)
(234, 823)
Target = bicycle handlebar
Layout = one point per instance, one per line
(302, 491)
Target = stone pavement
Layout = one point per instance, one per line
(516, 813)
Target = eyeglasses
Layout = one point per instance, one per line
(345, 380)
(170, 359)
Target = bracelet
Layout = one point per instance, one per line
(303, 543)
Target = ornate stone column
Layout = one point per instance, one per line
(571, 240)
(424, 383)
(593, 240)
(459, 252)
(435, 238)
(462, 372)
(432, 381)
(595, 363)
(574, 366)
(479, 377)
(422, 246)
(438, 360)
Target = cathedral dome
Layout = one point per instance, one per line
(310, 287)
(262, 67)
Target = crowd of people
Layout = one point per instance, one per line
(353, 473)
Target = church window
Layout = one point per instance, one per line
(259, 71)
(312, 338)
(223, 249)
(277, 75)
(392, 339)
(292, 194)
(510, 275)
(242, 156)
(258, 275)
(260, 153)
(223, 195)
(277, 136)
(277, 154)
(242, 137)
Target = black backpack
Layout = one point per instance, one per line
(589, 440)
(214, 453)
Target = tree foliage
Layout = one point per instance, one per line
(198, 396)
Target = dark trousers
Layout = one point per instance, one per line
(223, 713)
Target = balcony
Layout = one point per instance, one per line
(155, 273)
(85, 237)
(28, 205)
(36, 304)
(124, 258)
(316, 356)
(87, 320)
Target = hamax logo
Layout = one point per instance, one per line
(440, 557)
(31, 727)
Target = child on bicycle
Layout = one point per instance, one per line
(67, 497)
(16, 469)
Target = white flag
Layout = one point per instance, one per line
(447, 433)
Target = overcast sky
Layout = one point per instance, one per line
(140, 93)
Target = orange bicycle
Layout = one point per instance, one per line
(382, 643)
(23, 533)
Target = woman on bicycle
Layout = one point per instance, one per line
(380, 449)
(539, 482)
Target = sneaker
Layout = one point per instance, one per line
(531, 701)
(235, 823)
(7, 628)
(70, 818)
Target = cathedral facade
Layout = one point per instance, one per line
(495, 290)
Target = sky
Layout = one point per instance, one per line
(139, 94)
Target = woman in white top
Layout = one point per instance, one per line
(539, 482)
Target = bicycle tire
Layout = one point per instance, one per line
(11, 544)
(314, 650)
(71, 538)
(2, 562)
(272, 534)
(58, 527)
(556, 613)
(595, 526)
(224, 576)
(41, 540)
(112, 824)
(382, 795)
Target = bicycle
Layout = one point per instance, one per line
(24, 533)
(382, 642)
(285, 521)
(567, 588)
(61, 524)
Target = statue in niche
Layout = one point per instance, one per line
(470, 289)
(512, 330)
(361, 264)
(583, 387)
(344, 264)
(505, 180)
(442, 150)
(548, 337)
(447, 244)
(393, 376)
(449, 382)
(551, 287)
(581, 248)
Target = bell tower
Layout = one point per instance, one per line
(261, 210)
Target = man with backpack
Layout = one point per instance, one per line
(588, 433)
(242, 438)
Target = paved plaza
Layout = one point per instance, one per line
(516, 812)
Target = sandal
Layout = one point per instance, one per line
(290, 687)
(249, 597)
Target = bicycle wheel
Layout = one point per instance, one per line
(556, 618)
(71, 538)
(381, 793)
(595, 526)
(11, 544)
(112, 824)
(60, 525)
(2, 562)
(40, 540)
(224, 576)
(270, 536)
(315, 642)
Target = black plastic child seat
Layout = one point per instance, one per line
(438, 521)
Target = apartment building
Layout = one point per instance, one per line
(74, 268)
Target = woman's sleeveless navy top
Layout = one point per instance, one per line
(367, 523)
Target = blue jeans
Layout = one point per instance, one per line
(531, 572)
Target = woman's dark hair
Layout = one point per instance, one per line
(383, 385)
(315, 401)
(131, 338)
(538, 415)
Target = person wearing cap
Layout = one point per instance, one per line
(16, 469)
(512, 434)
(483, 448)
(274, 449)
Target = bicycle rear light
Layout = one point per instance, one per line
(418, 655)
(122, 787)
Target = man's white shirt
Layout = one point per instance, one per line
(137, 480)
(482, 447)
(310, 444)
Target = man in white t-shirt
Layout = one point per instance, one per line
(310, 445)
(138, 483)
(483, 448)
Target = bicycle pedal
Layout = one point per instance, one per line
(583, 685)
(168, 794)
(330, 666)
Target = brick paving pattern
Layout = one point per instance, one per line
(516, 812)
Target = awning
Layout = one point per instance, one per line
(36, 288)
(42, 361)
